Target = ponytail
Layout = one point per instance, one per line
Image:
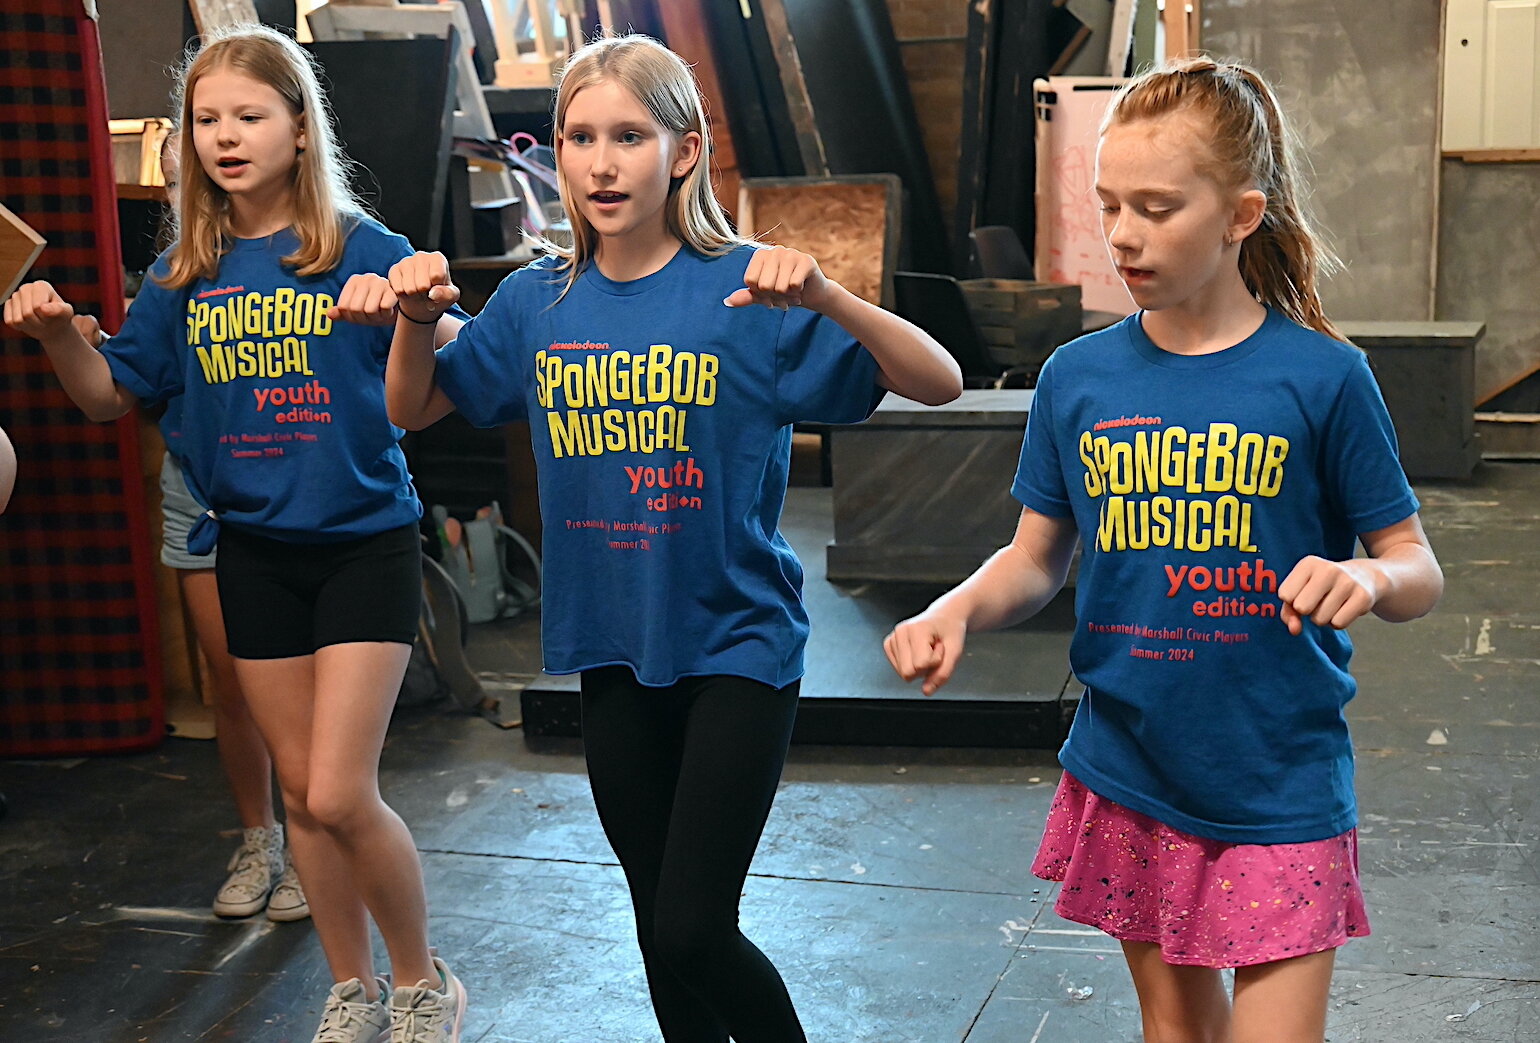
(1251, 145)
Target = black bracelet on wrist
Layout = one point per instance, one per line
(421, 322)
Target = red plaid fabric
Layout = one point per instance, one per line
(79, 644)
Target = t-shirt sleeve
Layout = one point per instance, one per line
(822, 374)
(146, 356)
(1039, 483)
(1361, 462)
(482, 369)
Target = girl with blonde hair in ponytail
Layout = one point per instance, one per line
(661, 403)
(1219, 452)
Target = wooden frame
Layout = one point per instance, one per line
(19, 247)
(213, 14)
(1120, 38)
(1183, 20)
(835, 220)
(525, 70)
(1495, 155)
(140, 142)
(798, 101)
(339, 20)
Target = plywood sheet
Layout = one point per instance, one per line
(850, 224)
(19, 247)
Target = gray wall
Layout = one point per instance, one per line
(1489, 269)
(1360, 80)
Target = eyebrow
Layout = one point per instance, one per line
(626, 125)
(1144, 193)
(247, 106)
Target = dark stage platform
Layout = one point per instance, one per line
(1012, 689)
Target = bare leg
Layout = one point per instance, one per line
(242, 752)
(1178, 1004)
(1284, 1001)
(283, 704)
(356, 686)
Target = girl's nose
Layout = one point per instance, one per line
(1121, 235)
(604, 161)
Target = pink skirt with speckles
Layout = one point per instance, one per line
(1206, 903)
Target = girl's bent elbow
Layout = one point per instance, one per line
(105, 413)
(404, 420)
(941, 394)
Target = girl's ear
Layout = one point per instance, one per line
(686, 154)
(1249, 211)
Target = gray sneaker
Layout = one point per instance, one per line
(350, 1017)
(421, 1014)
(287, 902)
(254, 868)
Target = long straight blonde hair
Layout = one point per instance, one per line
(321, 193)
(1250, 145)
(665, 86)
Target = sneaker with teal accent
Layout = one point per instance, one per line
(351, 1017)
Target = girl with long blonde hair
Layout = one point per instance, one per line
(661, 406)
(286, 444)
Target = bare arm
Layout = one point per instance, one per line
(909, 360)
(1013, 585)
(423, 290)
(370, 300)
(1400, 580)
(38, 311)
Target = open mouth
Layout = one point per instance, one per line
(608, 198)
(230, 164)
(1135, 274)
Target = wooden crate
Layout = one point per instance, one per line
(1021, 322)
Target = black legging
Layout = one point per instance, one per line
(683, 778)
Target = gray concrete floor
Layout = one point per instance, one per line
(891, 888)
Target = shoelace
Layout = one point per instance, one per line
(246, 867)
(246, 856)
(425, 1021)
(338, 1018)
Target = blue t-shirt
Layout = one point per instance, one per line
(1197, 483)
(661, 427)
(280, 425)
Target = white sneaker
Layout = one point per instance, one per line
(287, 902)
(421, 1014)
(351, 1017)
(253, 870)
